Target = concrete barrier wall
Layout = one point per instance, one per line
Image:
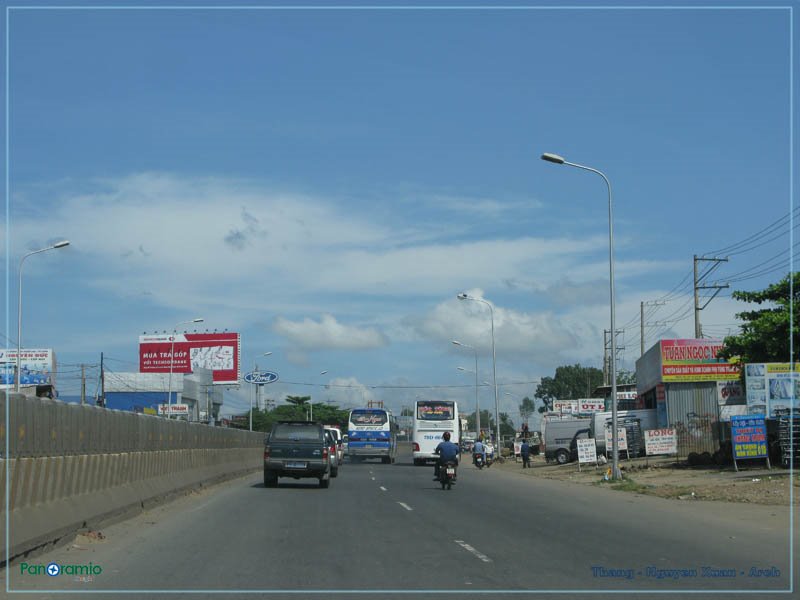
(44, 427)
(73, 467)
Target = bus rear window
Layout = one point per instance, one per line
(368, 417)
(435, 411)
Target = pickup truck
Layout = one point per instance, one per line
(296, 449)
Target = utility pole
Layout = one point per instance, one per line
(641, 325)
(698, 329)
(607, 354)
(102, 382)
(83, 384)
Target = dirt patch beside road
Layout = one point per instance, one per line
(666, 478)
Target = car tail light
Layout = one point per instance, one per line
(325, 453)
(266, 453)
(416, 447)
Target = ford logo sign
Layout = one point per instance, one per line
(260, 378)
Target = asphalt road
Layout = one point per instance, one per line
(382, 529)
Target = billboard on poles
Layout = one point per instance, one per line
(694, 360)
(37, 366)
(773, 389)
(218, 352)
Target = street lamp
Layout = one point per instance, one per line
(257, 386)
(477, 408)
(18, 374)
(464, 296)
(559, 160)
(311, 403)
(172, 359)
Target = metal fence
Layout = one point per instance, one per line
(44, 427)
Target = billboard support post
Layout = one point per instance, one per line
(172, 356)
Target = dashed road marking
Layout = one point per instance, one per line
(404, 505)
(383, 488)
(473, 551)
(373, 479)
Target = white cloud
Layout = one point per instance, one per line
(328, 333)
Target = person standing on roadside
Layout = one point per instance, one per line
(525, 452)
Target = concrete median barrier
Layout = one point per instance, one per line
(87, 479)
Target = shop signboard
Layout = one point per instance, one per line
(660, 441)
(731, 399)
(772, 388)
(173, 409)
(218, 352)
(622, 439)
(694, 360)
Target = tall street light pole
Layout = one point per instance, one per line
(555, 158)
(311, 403)
(494, 364)
(172, 360)
(257, 386)
(477, 407)
(18, 374)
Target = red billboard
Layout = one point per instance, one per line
(218, 352)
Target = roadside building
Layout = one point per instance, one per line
(144, 392)
(693, 391)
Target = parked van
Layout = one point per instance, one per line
(560, 438)
(647, 420)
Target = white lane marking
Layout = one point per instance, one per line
(472, 550)
(373, 479)
(383, 488)
(404, 505)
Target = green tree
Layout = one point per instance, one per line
(526, 409)
(569, 383)
(298, 400)
(407, 412)
(506, 425)
(765, 334)
(487, 422)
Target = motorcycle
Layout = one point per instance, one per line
(447, 474)
(477, 459)
(489, 455)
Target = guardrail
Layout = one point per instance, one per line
(71, 467)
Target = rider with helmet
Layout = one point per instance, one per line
(447, 451)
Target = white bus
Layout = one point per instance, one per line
(372, 433)
(431, 419)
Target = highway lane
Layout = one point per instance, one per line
(390, 527)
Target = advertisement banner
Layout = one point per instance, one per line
(622, 439)
(694, 360)
(173, 409)
(660, 441)
(218, 352)
(583, 405)
(772, 388)
(587, 450)
(749, 435)
(731, 399)
(37, 366)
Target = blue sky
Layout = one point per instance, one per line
(325, 182)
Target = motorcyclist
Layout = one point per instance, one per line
(447, 451)
(479, 448)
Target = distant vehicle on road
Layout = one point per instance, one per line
(297, 449)
(337, 435)
(431, 419)
(372, 433)
(561, 439)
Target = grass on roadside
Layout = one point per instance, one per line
(626, 485)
